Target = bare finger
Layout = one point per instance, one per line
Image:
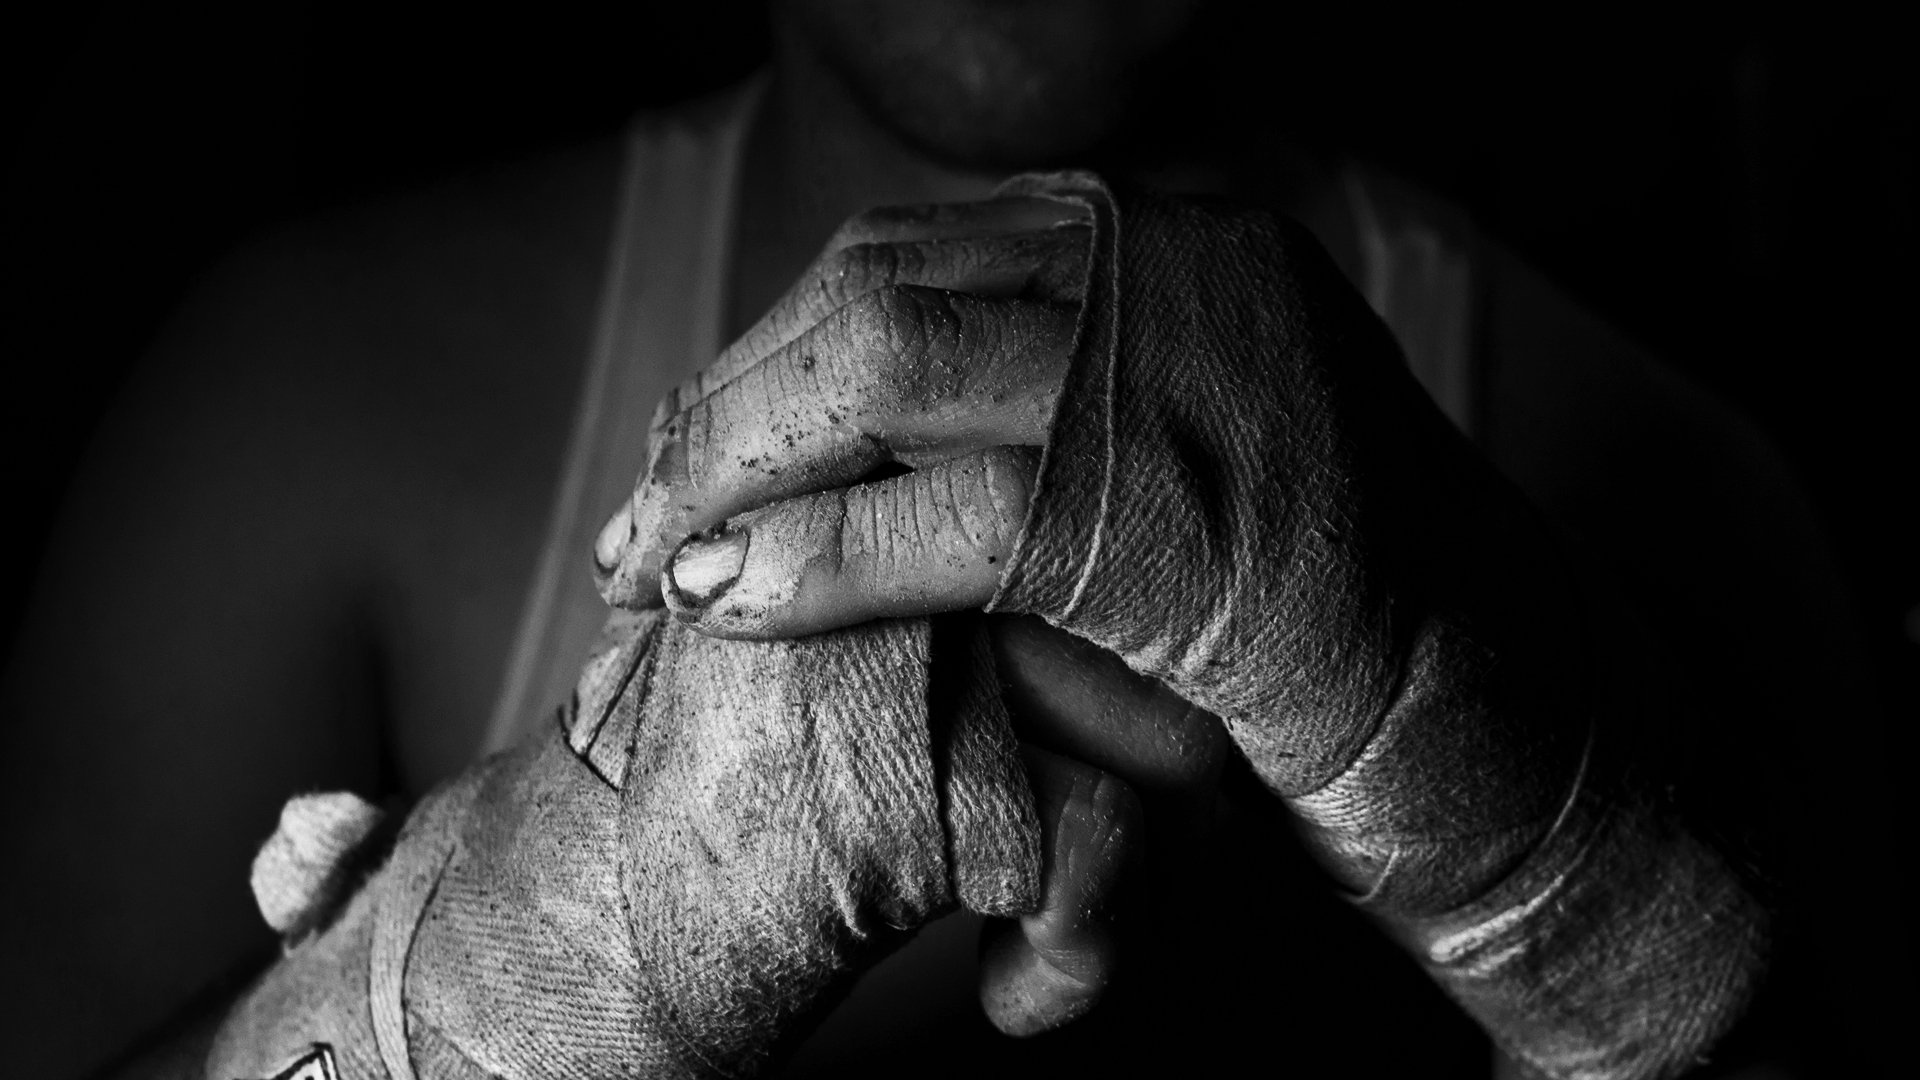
(955, 220)
(904, 374)
(1046, 265)
(932, 540)
(1073, 697)
(1052, 966)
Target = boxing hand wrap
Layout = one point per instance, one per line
(1246, 495)
(669, 881)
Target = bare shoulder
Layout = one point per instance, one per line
(468, 312)
(308, 514)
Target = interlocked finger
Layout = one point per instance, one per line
(904, 374)
(1048, 968)
(1071, 696)
(1003, 216)
(932, 540)
(1047, 264)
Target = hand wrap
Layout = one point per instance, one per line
(1246, 495)
(667, 882)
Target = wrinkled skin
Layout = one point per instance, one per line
(938, 338)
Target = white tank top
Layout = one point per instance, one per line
(662, 304)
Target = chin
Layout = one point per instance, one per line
(991, 85)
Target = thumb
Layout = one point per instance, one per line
(1052, 966)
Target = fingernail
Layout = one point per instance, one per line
(705, 567)
(613, 538)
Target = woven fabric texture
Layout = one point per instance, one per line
(670, 880)
(1247, 495)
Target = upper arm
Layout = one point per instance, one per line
(191, 655)
(1698, 518)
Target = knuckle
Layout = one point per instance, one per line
(1112, 806)
(1101, 823)
(1103, 809)
(870, 531)
(898, 328)
(857, 340)
(861, 228)
(903, 319)
(873, 320)
(882, 223)
(983, 499)
(855, 270)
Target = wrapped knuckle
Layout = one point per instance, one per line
(619, 670)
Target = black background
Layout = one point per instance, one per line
(1738, 192)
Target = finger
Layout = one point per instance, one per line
(1047, 265)
(932, 540)
(1075, 698)
(955, 220)
(903, 374)
(1050, 967)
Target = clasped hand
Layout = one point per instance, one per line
(868, 450)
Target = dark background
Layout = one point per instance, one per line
(1739, 193)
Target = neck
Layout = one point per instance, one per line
(813, 158)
